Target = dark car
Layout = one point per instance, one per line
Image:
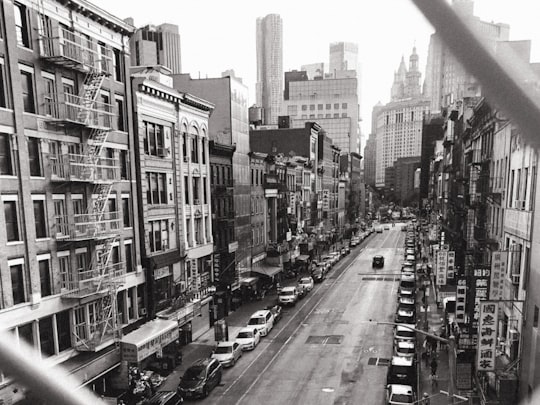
(402, 370)
(317, 275)
(200, 378)
(378, 261)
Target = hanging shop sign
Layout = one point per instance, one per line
(450, 264)
(487, 336)
(441, 267)
(498, 269)
(461, 300)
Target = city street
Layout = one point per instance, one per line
(319, 352)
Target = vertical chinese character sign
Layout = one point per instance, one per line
(441, 267)
(461, 299)
(487, 336)
(451, 263)
(498, 269)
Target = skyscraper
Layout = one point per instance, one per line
(156, 45)
(269, 88)
(399, 123)
(446, 79)
(343, 56)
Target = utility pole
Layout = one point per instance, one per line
(451, 342)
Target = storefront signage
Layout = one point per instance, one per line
(326, 200)
(217, 267)
(498, 268)
(292, 201)
(233, 246)
(487, 336)
(464, 372)
(461, 300)
(441, 267)
(451, 263)
(161, 272)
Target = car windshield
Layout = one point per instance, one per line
(245, 335)
(401, 370)
(194, 373)
(305, 280)
(287, 292)
(256, 321)
(223, 349)
(406, 350)
(405, 333)
(402, 398)
(407, 284)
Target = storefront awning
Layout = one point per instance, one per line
(148, 339)
(248, 281)
(267, 270)
(303, 258)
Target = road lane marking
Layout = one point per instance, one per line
(286, 342)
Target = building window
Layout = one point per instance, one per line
(195, 182)
(34, 157)
(64, 333)
(17, 283)
(124, 165)
(304, 107)
(126, 212)
(45, 278)
(535, 319)
(336, 106)
(46, 338)
(312, 107)
(186, 189)
(153, 139)
(336, 115)
(118, 65)
(6, 167)
(319, 106)
(12, 221)
(129, 257)
(40, 218)
(157, 188)
(27, 88)
(22, 28)
(26, 333)
(120, 118)
(344, 105)
(158, 235)
(194, 149)
(344, 115)
(3, 85)
(205, 197)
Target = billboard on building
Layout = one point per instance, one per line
(487, 336)
(440, 270)
(498, 268)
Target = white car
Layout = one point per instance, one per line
(248, 338)
(404, 334)
(288, 296)
(404, 349)
(398, 394)
(227, 353)
(306, 283)
(263, 320)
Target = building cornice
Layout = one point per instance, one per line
(222, 149)
(99, 15)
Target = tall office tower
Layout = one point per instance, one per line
(343, 56)
(156, 45)
(370, 159)
(269, 88)
(332, 103)
(399, 123)
(446, 79)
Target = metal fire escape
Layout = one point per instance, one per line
(94, 284)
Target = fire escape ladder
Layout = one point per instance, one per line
(91, 86)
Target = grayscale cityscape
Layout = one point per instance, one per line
(171, 236)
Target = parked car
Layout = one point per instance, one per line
(276, 311)
(399, 394)
(263, 320)
(406, 316)
(405, 349)
(378, 261)
(306, 283)
(387, 227)
(248, 338)
(379, 229)
(402, 334)
(402, 370)
(318, 275)
(345, 250)
(200, 378)
(288, 296)
(227, 353)
(406, 303)
(336, 256)
(329, 259)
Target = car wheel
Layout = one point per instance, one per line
(233, 363)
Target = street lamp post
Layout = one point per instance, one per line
(451, 342)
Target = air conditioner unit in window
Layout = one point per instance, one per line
(523, 204)
(186, 159)
(515, 279)
(162, 152)
(513, 335)
(142, 312)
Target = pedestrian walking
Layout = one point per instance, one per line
(434, 365)
(425, 399)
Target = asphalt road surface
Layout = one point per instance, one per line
(325, 350)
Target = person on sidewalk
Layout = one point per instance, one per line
(425, 399)
(434, 365)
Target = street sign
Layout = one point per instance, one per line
(487, 336)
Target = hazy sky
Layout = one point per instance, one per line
(217, 35)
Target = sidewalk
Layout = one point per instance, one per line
(203, 346)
